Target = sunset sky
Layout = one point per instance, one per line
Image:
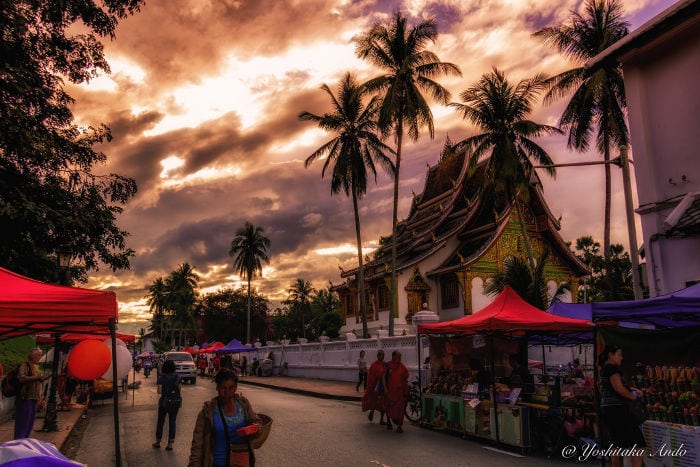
(203, 100)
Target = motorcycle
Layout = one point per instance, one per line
(147, 371)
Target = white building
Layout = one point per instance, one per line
(661, 66)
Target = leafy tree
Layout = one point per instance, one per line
(500, 111)
(327, 318)
(224, 315)
(353, 151)
(50, 199)
(598, 101)
(249, 250)
(409, 69)
(611, 278)
(527, 282)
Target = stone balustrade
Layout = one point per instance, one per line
(337, 360)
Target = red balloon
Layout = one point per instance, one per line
(89, 359)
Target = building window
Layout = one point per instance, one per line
(383, 297)
(449, 292)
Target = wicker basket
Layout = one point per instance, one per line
(259, 438)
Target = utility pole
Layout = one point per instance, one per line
(623, 162)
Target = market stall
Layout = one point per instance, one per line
(660, 338)
(28, 307)
(471, 357)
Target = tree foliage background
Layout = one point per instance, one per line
(223, 315)
(50, 198)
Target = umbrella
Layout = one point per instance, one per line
(29, 452)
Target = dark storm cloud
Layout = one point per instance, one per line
(237, 168)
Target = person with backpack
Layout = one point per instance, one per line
(169, 387)
(30, 378)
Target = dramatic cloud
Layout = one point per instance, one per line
(203, 100)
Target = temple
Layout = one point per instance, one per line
(454, 239)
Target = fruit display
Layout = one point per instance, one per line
(671, 394)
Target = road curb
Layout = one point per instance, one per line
(304, 392)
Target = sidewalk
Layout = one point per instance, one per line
(66, 420)
(325, 389)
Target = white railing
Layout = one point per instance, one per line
(337, 360)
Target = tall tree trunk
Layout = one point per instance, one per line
(523, 231)
(608, 201)
(394, 229)
(361, 270)
(248, 314)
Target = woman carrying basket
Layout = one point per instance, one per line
(227, 428)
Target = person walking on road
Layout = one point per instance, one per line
(30, 377)
(216, 425)
(362, 369)
(373, 398)
(169, 388)
(397, 391)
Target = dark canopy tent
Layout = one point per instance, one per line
(235, 346)
(677, 309)
(28, 307)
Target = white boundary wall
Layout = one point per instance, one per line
(337, 360)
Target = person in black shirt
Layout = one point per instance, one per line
(614, 412)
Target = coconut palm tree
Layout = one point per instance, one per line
(353, 151)
(530, 284)
(500, 111)
(156, 304)
(181, 286)
(249, 249)
(598, 103)
(300, 299)
(409, 70)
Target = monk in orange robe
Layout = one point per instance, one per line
(397, 391)
(373, 398)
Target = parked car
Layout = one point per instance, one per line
(184, 365)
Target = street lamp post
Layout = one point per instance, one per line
(623, 162)
(51, 417)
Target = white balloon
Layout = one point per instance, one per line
(124, 363)
(120, 343)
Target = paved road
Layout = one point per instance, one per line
(307, 431)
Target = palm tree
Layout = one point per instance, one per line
(249, 249)
(500, 110)
(156, 304)
(300, 298)
(409, 69)
(353, 151)
(181, 286)
(530, 284)
(598, 101)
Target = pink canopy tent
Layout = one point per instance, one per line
(28, 306)
(32, 307)
(507, 313)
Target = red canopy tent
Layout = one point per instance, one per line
(507, 313)
(28, 306)
(32, 307)
(215, 346)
